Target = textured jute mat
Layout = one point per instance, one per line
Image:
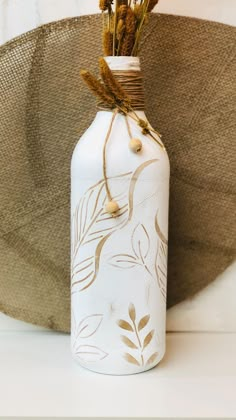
(190, 78)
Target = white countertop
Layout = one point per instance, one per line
(197, 379)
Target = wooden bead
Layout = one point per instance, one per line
(135, 145)
(111, 207)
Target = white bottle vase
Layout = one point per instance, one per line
(119, 264)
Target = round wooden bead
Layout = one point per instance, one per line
(135, 145)
(111, 207)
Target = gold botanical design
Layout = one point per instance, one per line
(138, 342)
(90, 353)
(87, 327)
(140, 242)
(161, 260)
(92, 225)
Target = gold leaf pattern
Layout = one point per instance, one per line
(161, 260)
(89, 325)
(148, 339)
(143, 322)
(152, 359)
(123, 261)
(131, 359)
(128, 342)
(136, 342)
(132, 312)
(125, 325)
(86, 328)
(133, 183)
(88, 226)
(140, 242)
(89, 353)
(159, 232)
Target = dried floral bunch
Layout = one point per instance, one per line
(123, 22)
(110, 93)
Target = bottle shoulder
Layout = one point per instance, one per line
(95, 146)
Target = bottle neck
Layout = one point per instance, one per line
(127, 72)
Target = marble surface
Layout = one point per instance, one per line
(214, 308)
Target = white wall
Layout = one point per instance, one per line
(18, 16)
(213, 309)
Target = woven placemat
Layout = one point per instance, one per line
(190, 73)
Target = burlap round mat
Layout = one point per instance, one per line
(190, 72)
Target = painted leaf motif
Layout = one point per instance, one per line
(140, 242)
(90, 225)
(83, 270)
(89, 325)
(159, 231)
(90, 353)
(132, 312)
(152, 359)
(93, 226)
(161, 260)
(128, 342)
(131, 359)
(122, 261)
(143, 322)
(148, 339)
(125, 325)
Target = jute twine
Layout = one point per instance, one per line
(189, 71)
(132, 83)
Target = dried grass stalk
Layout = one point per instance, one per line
(107, 42)
(127, 44)
(110, 82)
(105, 4)
(129, 36)
(138, 12)
(97, 88)
(120, 29)
(130, 22)
(126, 37)
(122, 11)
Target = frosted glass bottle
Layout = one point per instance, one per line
(118, 264)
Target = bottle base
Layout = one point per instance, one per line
(120, 372)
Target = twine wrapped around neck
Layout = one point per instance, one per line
(132, 83)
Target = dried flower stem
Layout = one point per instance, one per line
(107, 42)
(140, 27)
(115, 26)
(111, 83)
(134, 15)
(115, 97)
(97, 88)
(104, 154)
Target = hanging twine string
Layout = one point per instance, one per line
(115, 112)
(128, 127)
(120, 91)
(114, 95)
